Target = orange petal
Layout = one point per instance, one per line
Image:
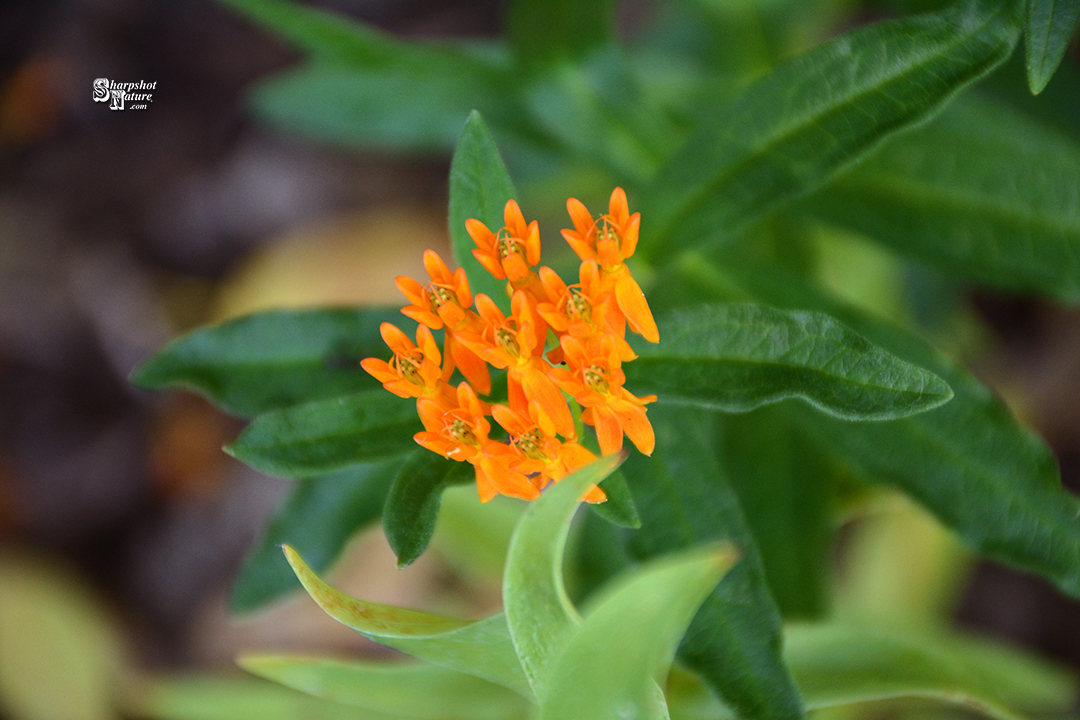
(422, 316)
(507, 481)
(618, 208)
(579, 214)
(479, 232)
(483, 486)
(488, 310)
(630, 235)
(532, 243)
(435, 267)
(434, 442)
(583, 249)
(411, 289)
(426, 342)
(608, 430)
(508, 420)
(634, 306)
(472, 367)
(513, 218)
(637, 427)
(490, 263)
(379, 369)
(515, 267)
(539, 387)
(461, 288)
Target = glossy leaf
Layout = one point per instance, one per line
(817, 114)
(837, 665)
(982, 192)
(328, 435)
(969, 462)
(318, 518)
(482, 648)
(220, 697)
(539, 614)
(273, 359)
(413, 690)
(1048, 26)
(739, 357)
(412, 506)
(638, 621)
(479, 189)
(685, 499)
(785, 485)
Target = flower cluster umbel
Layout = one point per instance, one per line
(589, 319)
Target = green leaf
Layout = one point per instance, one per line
(412, 506)
(785, 485)
(539, 614)
(1048, 25)
(982, 192)
(473, 536)
(546, 32)
(479, 189)
(638, 621)
(817, 114)
(969, 462)
(482, 648)
(328, 435)
(413, 690)
(837, 665)
(220, 697)
(619, 507)
(60, 655)
(273, 359)
(318, 518)
(739, 357)
(686, 499)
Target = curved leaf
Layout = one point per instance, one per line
(685, 499)
(412, 506)
(983, 192)
(328, 435)
(819, 113)
(273, 359)
(638, 621)
(479, 189)
(413, 690)
(318, 518)
(739, 357)
(1048, 25)
(539, 614)
(482, 648)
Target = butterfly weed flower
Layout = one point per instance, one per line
(588, 321)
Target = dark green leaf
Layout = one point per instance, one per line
(982, 192)
(739, 357)
(1048, 26)
(638, 621)
(785, 485)
(482, 648)
(479, 189)
(412, 506)
(317, 518)
(328, 435)
(273, 359)
(406, 690)
(685, 499)
(546, 32)
(818, 114)
(969, 462)
(619, 507)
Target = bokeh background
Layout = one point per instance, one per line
(120, 230)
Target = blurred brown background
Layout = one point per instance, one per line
(119, 230)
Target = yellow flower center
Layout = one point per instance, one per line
(596, 379)
(410, 371)
(508, 341)
(579, 305)
(530, 445)
(460, 431)
(506, 245)
(440, 296)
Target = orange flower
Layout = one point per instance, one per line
(444, 302)
(516, 343)
(460, 432)
(510, 252)
(540, 451)
(594, 377)
(609, 240)
(583, 310)
(414, 370)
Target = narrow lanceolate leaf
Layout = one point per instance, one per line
(318, 518)
(819, 113)
(686, 499)
(412, 506)
(982, 191)
(1048, 26)
(328, 435)
(273, 359)
(479, 189)
(638, 621)
(538, 612)
(786, 486)
(544, 33)
(482, 648)
(969, 462)
(738, 357)
(412, 690)
(837, 665)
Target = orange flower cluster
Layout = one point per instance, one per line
(588, 318)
